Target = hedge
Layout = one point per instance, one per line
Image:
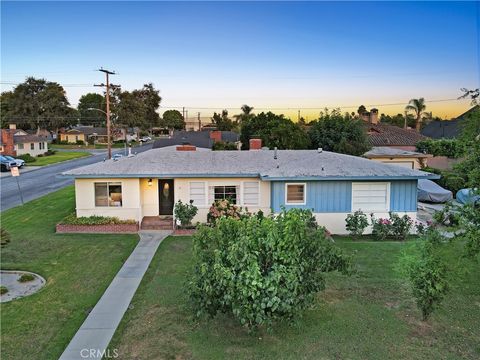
(451, 148)
(72, 219)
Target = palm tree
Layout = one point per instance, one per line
(246, 113)
(418, 107)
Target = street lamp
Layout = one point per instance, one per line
(109, 144)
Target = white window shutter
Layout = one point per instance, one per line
(197, 193)
(251, 193)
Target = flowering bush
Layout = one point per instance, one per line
(381, 228)
(396, 226)
(401, 226)
(223, 208)
(185, 212)
(356, 223)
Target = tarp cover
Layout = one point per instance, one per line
(432, 192)
(466, 196)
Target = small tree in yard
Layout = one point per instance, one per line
(261, 269)
(427, 273)
(185, 213)
(356, 223)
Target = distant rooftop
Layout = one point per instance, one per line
(383, 151)
(390, 135)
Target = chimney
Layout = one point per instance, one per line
(216, 135)
(12, 126)
(255, 144)
(8, 146)
(186, 147)
(374, 116)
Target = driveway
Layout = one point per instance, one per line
(45, 180)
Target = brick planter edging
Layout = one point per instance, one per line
(183, 232)
(97, 229)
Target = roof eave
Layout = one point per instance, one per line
(348, 178)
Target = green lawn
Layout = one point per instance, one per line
(58, 157)
(370, 315)
(78, 269)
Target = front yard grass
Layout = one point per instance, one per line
(58, 157)
(77, 267)
(370, 315)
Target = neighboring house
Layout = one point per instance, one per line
(393, 136)
(332, 185)
(200, 139)
(394, 156)
(43, 133)
(16, 142)
(447, 129)
(90, 133)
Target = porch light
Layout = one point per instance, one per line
(150, 182)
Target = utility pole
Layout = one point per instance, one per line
(405, 122)
(186, 118)
(183, 114)
(299, 115)
(199, 122)
(107, 96)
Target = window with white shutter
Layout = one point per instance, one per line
(198, 193)
(251, 193)
(373, 196)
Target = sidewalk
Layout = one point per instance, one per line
(93, 337)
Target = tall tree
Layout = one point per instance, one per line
(339, 133)
(151, 100)
(275, 131)
(92, 117)
(418, 107)
(130, 111)
(38, 103)
(172, 119)
(223, 122)
(247, 113)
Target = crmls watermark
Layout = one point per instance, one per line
(99, 353)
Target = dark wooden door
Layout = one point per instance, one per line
(165, 197)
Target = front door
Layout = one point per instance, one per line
(165, 197)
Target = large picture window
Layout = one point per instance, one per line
(108, 194)
(228, 192)
(295, 194)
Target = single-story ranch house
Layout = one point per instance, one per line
(332, 185)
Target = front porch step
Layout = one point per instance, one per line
(157, 223)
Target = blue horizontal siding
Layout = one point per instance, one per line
(336, 196)
(322, 196)
(403, 195)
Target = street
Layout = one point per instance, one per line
(46, 180)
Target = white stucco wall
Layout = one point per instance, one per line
(335, 222)
(130, 209)
(27, 149)
(149, 197)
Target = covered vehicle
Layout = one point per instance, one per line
(467, 196)
(430, 191)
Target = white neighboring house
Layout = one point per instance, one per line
(16, 142)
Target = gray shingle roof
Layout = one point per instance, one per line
(200, 139)
(382, 151)
(290, 164)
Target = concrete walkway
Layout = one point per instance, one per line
(93, 337)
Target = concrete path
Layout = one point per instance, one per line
(93, 337)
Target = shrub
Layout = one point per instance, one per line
(80, 142)
(381, 228)
(221, 145)
(3, 290)
(397, 227)
(4, 237)
(356, 223)
(427, 274)
(469, 218)
(452, 182)
(40, 155)
(72, 219)
(26, 278)
(27, 158)
(448, 216)
(451, 148)
(185, 212)
(223, 208)
(50, 152)
(260, 271)
(400, 226)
